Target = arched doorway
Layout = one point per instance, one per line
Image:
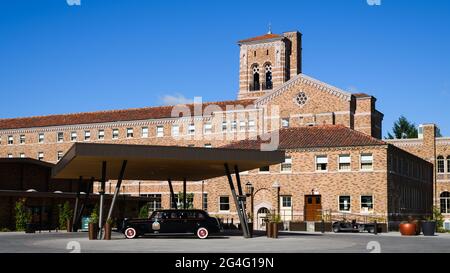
(261, 217)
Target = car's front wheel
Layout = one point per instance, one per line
(130, 233)
(202, 233)
(336, 229)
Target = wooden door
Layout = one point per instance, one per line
(313, 208)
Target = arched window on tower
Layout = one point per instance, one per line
(445, 202)
(255, 86)
(268, 84)
(440, 164)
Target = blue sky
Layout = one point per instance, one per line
(56, 58)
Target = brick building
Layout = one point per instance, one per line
(336, 161)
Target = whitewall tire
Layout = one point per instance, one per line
(130, 233)
(202, 233)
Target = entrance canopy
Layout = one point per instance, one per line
(158, 162)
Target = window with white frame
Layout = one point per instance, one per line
(155, 203)
(101, 134)
(41, 137)
(366, 162)
(366, 203)
(175, 130)
(191, 129)
(22, 155)
(159, 131)
(321, 163)
(59, 155)
(130, 133)
(224, 126)
(285, 123)
(286, 201)
(73, 136)
(445, 202)
(233, 126)
(286, 166)
(115, 134)
(41, 156)
(251, 125)
(60, 137)
(440, 164)
(144, 132)
(242, 126)
(344, 203)
(208, 145)
(205, 202)
(10, 140)
(344, 163)
(224, 203)
(207, 128)
(87, 135)
(10, 156)
(22, 139)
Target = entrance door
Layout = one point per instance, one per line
(313, 208)
(262, 217)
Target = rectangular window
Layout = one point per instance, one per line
(73, 136)
(287, 165)
(87, 135)
(101, 134)
(175, 130)
(233, 126)
(366, 162)
(224, 203)
(322, 163)
(367, 204)
(22, 139)
(207, 128)
(115, 134)
(144, 132)
(22, 155)
(10, 156)
(251, 126)
(285, 123)
(224, 126)
(10, 140)
(191, 129)
(130, 132)
(60, 137)
(40, 156)
(242, 126)
(159, 131)
(205, 202)
(344, 163)
(155, 203)
(41, 137)
(265, 169)
(286, 201)
(208, 145)
(59, 156)
(344, 203)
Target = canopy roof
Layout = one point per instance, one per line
(158, 162)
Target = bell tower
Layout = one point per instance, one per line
(268, 61)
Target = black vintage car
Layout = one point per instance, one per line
(196, 222)
(353, 226)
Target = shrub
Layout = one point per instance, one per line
(143, 212)
(23, 215)
(93, 219)
(65, 214)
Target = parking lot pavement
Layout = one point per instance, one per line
(289, 242)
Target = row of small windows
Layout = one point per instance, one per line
(366, 203)
(232, 126)
(40, 155)
(441, 164)
(321, 163)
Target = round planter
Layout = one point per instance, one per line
(429, 228)
(269, 230)
(93, 231)
(274, 230)
(108, 229)
(408, 229)
(69, 225)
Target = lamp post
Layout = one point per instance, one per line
(249, 192)
(277, 187)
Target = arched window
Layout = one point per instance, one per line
(440, 164)
(445, 202)
(255, 86)
(448, 164)
(268, 69)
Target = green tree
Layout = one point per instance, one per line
(403, 129)
(65, 214)
(23, 215)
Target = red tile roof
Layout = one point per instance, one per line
(325, 136)
(261, 38)
(106, 116)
